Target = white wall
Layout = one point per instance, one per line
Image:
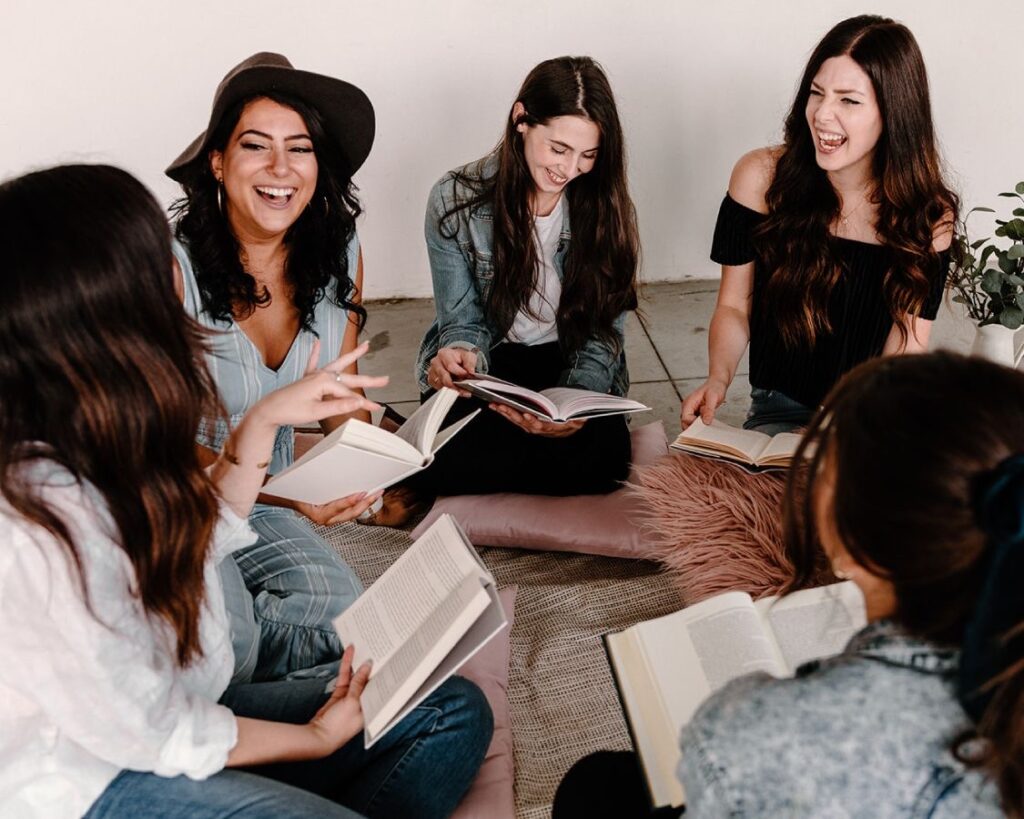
(698, 84)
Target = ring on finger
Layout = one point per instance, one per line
(338, 376)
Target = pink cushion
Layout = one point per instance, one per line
(594, 524)
(491, 795)
(716, 527)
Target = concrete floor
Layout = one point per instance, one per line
(666, 348)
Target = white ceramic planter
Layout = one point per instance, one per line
(997, 343)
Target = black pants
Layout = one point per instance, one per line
(607, 785)
(493, 455)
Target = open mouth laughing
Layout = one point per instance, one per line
(829, 142)
(276, 197)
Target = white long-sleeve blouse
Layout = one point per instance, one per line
(85, 694)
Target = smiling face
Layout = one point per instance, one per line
(268, 170)
(844, 118)
(556, 153)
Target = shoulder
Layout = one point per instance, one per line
(751, 176)
(461, 184)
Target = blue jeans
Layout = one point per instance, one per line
(421, 768)
(771, 412)
(281, 595)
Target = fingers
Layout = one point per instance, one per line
(344, 361)
(329, 407)
(359, 680)
(688, 411)
(355, 509)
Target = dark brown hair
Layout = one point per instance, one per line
(317, 263)
(912, 198)
(603, 256)
(904, 507)
(101, 372)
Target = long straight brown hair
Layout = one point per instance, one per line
(101, 372)
(905, 508)
(912, 197)
(604, 251)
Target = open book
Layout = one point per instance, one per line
(359, 457)
(666, 667)
(558, 404)
(432, 610)
(744, 446)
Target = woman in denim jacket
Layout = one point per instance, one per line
(533, 253)
(922, 715)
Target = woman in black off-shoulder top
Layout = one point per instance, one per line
(834, 246)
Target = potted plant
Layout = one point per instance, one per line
(987, 277)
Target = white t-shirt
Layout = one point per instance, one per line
(536, 324)
(82, 699)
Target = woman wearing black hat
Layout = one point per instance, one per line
(268, 259)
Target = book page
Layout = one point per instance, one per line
(722, 438)
(813, 623)
(412, 662)
(421, 427)
(406, 595)
(487, 624)
(781, 448)
(573, 402)
(494, 389)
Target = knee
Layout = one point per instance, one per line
(466, 708)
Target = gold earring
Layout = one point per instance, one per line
(220, 195)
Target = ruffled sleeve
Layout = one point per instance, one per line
(734, 230)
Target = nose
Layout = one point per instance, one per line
(279, 162)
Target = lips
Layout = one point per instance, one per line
(555, 178)
(830, 141)
(278, 197)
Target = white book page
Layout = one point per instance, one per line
(406, 595)
(391, 686)
(573, 402)
(491, 621)
(421, 427)
(782, 445)
(503, 392)
(720, 437)
(813, 623)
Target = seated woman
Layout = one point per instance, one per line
(115, 634)
(533, 253)
(923, 712)
(834, 245)
(268, 259)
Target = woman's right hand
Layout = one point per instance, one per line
(449, 364)
(337, 511)
(341, 717)
(703, 401)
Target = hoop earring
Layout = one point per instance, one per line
(220, 196)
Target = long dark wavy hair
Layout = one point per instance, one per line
(913, 519)
(601, 263)
(317, 263)
(912, 198)
(101, 372)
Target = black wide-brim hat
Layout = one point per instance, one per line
(346, 111)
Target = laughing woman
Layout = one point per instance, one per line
(833, 246)
(533, 253)
(268, 260)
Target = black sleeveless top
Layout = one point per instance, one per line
(857, 311)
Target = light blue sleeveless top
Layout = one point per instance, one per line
(238, 368)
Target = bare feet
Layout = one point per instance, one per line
(398, 506)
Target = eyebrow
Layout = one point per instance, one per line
(254, 132)
(567, 145)
(838, 90)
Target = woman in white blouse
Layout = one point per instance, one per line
(117, 652)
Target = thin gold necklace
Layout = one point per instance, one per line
(844, 218)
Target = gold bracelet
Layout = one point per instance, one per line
(231, 458)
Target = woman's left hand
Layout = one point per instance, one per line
(535, 426)
(319, 393)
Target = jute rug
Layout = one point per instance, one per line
(561, 695)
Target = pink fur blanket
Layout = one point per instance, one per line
(714, 526)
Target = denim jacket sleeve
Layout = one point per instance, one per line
(598, 366)
(458, 300)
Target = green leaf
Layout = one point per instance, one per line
(988, 251)
(1020, 188)
(1011, 317)
(1014, 229)
(1020, 300)
(1015, 252)
(977, 244)
(1016, 281)
(1011, 194)
(1006, 265)
(958, 299)
(1001, 230)
(992, 282)
(1018, 211)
